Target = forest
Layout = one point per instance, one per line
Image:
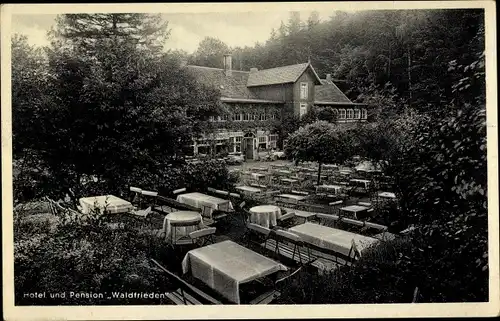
(411, 55)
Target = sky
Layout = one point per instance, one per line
(187, 29)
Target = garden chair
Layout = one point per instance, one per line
(262, 233)
(182, 240)
(286, 220)
(206, 213)
(135, 196)
(203, 236)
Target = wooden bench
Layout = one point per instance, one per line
(186, 293)
(325, 265)
(162, 200)
(287, 250)
(289, 245)
(266, 297)
(179, 297)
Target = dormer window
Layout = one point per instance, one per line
(342, 114)
(357, 114)
(350, 114)
(303, 90)
(363, 114)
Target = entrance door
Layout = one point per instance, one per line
(249, 147)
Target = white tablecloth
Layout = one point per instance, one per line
(265, 215)
(185, 217)
(225, 265)
(360, 182)
(330, 238)
(258, 175)
(110, 203)
(199, 200)
(329, 188)
(387, 195)
(249, 189)
(354, 209)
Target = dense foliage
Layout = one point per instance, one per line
(321, 142)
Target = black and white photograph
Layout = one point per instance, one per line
(294, 155)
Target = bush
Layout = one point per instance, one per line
(85, 258)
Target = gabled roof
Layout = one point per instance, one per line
(279, 75)
(329, 92)
(230, 87)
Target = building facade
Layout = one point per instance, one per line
(257, 100)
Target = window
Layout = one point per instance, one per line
(211, 118)
(273, 116)
(273, 138)
(238, 139)
(342, 114)
(262, 139)
(225, 117)
(357, 113)
(363, 114)
(219, 118)
(255, 116)
(237, 117)
(303, 109)
(262, 116)
(350, 114)
(303, 90)
(246, 116)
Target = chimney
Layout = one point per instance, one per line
(253, 69)
(228, 65)
(329, 77)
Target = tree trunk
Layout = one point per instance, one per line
(319, 172)
(409, 74)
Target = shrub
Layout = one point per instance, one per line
(85, 258)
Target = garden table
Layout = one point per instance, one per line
(265, 215)
(258, 175)
(249, 189)
(224, 266)
(289, 180)
(296, 198)
(354, 209)
(199, 200)
(185, 217)
(333, 239)
(389, 195)
(329, 188)
(360, 182)
(109, 203)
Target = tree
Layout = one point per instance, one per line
(144, 31)
(321, 142)
(116, 108)
(210, 53)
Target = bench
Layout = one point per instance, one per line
(325, 265)
(179, 297)
(287, 250)
(162, 200)
(266, 297)
(185, 294)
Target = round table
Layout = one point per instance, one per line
(190, 220)
(265, 215)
